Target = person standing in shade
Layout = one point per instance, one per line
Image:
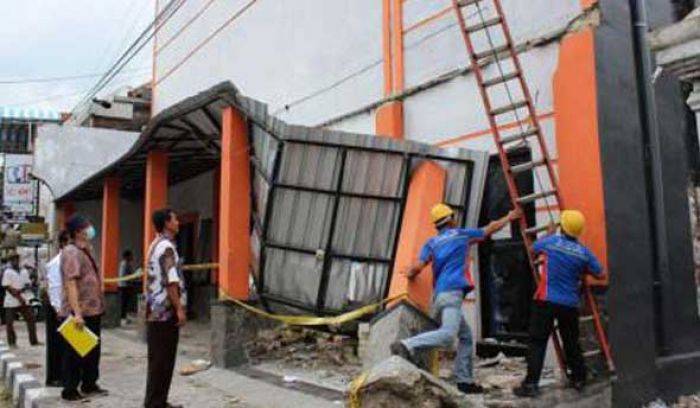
(448, 252)
(565, 262)
(84, 300)
(52, 306)
(165, 308)
(126, 289)
(17, 299)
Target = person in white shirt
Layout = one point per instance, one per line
(16, 300)
(52, 305)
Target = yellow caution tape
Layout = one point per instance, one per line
(200, 267)
(139, 274)
(315, 320)
(136, 275)
(354, 400)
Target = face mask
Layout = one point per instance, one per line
(90, 232)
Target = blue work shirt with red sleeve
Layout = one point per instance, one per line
(565, 262)
(449, 251)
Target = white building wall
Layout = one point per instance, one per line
(316, 60)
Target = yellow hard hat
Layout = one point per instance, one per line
(572, 222)
(439, 212)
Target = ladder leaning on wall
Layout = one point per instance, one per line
(499, 75)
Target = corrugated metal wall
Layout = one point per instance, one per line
(328, 209)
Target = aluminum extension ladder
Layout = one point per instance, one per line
(497, 69)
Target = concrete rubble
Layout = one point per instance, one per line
(689, 401)
(317, 356)
(396, 382)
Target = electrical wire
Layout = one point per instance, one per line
(146, 35)
(39, 80)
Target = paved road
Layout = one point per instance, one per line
(123, 373)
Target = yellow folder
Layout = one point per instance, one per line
(83, 341)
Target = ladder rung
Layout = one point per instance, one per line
(484, 24)
(585, 319)
(519, 168)
(509, 108)
(592, 353)
(536, 196)
(501, 79)
(519, 136)
(536, 229)
(465, 3)
(492, 52)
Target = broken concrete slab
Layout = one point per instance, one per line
(400, 321)
(395, 382)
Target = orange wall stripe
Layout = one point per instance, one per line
(386, 47)
(397, 44)
(580, 173)
(485, 132)
(428, 20)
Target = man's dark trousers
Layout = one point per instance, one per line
(54, 344)
(28, 315)
(82, 370)
(541, 326)
(162, 338)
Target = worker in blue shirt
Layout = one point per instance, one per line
(448, 252)
(564, 262)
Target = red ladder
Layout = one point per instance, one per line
(488, 31)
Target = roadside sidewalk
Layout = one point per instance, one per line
(123, 373)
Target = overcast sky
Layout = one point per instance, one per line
(58, 38)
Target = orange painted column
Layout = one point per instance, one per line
(427, 188)
(578, 147)
(155, 196)
(389, 117)
(389, 120)
(109, 260)
(234, 207)
(216, 187)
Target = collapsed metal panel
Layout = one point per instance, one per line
(328, 209)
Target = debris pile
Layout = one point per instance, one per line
(396, 382)
(306, 349)
(690, 401)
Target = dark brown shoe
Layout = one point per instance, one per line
(399, 349)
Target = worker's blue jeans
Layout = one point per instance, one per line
(447, 308)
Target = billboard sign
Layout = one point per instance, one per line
(18, 188)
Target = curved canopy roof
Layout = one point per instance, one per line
(190, 132)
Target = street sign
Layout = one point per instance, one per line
(18, 188)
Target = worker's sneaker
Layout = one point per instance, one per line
(526, 391)
(400, 349)
(470, 388)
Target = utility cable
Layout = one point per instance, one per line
(146, 35)
(39, 80)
